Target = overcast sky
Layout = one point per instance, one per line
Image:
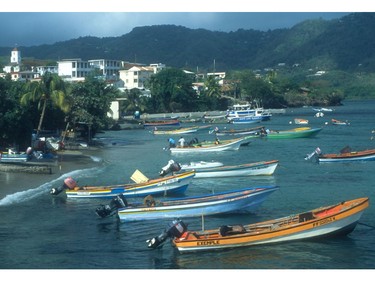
(85, 18)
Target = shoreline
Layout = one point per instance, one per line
(18, 181)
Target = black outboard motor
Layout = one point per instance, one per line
(170, 168)
(175, 229)
(69, 183)
(110, 209)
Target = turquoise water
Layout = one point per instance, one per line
(38, 231)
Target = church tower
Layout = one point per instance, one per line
(15, 57)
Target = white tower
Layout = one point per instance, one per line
(15, 57)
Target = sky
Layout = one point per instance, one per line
(32, 23)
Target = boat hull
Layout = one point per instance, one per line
(200, 165)
(245, 200)
(292, 134)
(165, 186)
(223, 146)
(181, 131)
(239, 132)
(322, 223)
(365, 155)
(252, 169)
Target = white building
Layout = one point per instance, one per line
(74, 69)
(108, 68)
(219, 76)
(41, 70)
(136, 76)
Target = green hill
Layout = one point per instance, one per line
(345, 44)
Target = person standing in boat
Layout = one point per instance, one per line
(181, 141)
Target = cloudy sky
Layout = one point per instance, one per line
(36, 25)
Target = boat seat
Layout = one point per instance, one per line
(226, 230)
(306, 216)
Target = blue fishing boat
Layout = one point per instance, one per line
(242, 200)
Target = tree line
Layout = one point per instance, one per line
(53, 104)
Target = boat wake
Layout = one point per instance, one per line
(26, 195)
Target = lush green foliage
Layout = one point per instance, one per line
(20, 105)
(89, 103)
(171, 91)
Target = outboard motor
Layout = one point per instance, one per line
(175, 229)
(170, 168)
(110, 209)
(69, 183)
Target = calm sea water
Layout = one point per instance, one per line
(38, 231)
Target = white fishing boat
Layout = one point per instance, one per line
(211, 146)
(201, 165)
(262, 168)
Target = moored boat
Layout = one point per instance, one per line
(13, 158)
(161, 123)
(300, 121)
(241, 200)
(236, 132)
(210, 146)
(200, 165)
(348, 156)
(262, 168)
(302, 132)
(174, 184)
(333, 220)
(181, 131)
(338, 122)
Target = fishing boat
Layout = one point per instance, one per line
(211, 146)
(262, 168)
(300, 121)
(200, 165)
(323, 109)
(338, 122)
(237, 132)
(181, 131)
(170, 185)
(13, 158)
(215, 119)
(334, 220)
(346, 155)
(242, 200)
(161, 123)
(302, 132)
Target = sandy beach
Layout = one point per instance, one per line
(13, 182)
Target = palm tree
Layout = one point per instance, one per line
(134, 101)
(51, 88)
(213, 89)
